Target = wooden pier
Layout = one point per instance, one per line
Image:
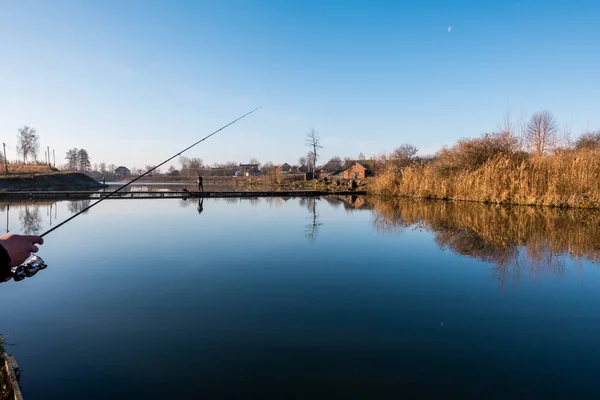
(80, 195)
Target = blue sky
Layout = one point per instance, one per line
(134, 81)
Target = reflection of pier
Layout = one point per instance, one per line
(77, 195)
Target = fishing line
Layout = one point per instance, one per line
(35, 263)
(146, 173)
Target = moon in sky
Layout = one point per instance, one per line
(449, 29)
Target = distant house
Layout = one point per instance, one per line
(284, 168)
(330, 169)
(359, 170)
(249, 170)
(253, 172)
(122, 172)
(174, 173)
(303, 169)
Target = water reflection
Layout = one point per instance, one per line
(31, 220)
(312, 230)
(75, 206)
(515, 239)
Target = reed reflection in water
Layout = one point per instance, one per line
(516, 239)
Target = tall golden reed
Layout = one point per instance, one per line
(567, 179)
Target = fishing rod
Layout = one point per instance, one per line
(35, 263)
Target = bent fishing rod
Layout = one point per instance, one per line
(35, 263)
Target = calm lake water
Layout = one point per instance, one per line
(306, 298)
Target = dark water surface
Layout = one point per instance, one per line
(306, 298)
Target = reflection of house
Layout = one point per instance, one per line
(122, 172)
(284, 168)
(354, 202)
(359, 170)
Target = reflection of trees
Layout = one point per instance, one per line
(183, 203)
(514, 239)
(76, 206)
(311, 205)
(31, 220)
(274, 201)
(29, 214)
(334, 201)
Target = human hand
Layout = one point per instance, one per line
(19, 247)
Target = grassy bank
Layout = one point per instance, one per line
(26, 169)
(51, 181)
(6, 386)
(564, 179)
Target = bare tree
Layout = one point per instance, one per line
(267, 167)
(27, 142)
(183, 160)
(310, 161)
(195, 163)
(254, 160)
(361, 156)
(348, 162)
(589, 140)
(404, 154)
(102, 167)
(302, 160)
(565, 141)
(335, 160)
(314, 142)
(111, 168)
(171, 169)
(148, 168)
(541, 132)
(506, 133)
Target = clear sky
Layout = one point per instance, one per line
(134, 81)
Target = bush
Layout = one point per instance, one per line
(588, 141)
(470, 154)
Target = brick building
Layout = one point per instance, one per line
(359, 170)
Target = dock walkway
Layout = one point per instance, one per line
(78, 195)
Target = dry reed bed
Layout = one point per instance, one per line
(570, 179)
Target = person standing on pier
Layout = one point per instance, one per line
(200, 187)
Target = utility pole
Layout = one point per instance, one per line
(5, 160)
(48, 155)
(54, 157)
